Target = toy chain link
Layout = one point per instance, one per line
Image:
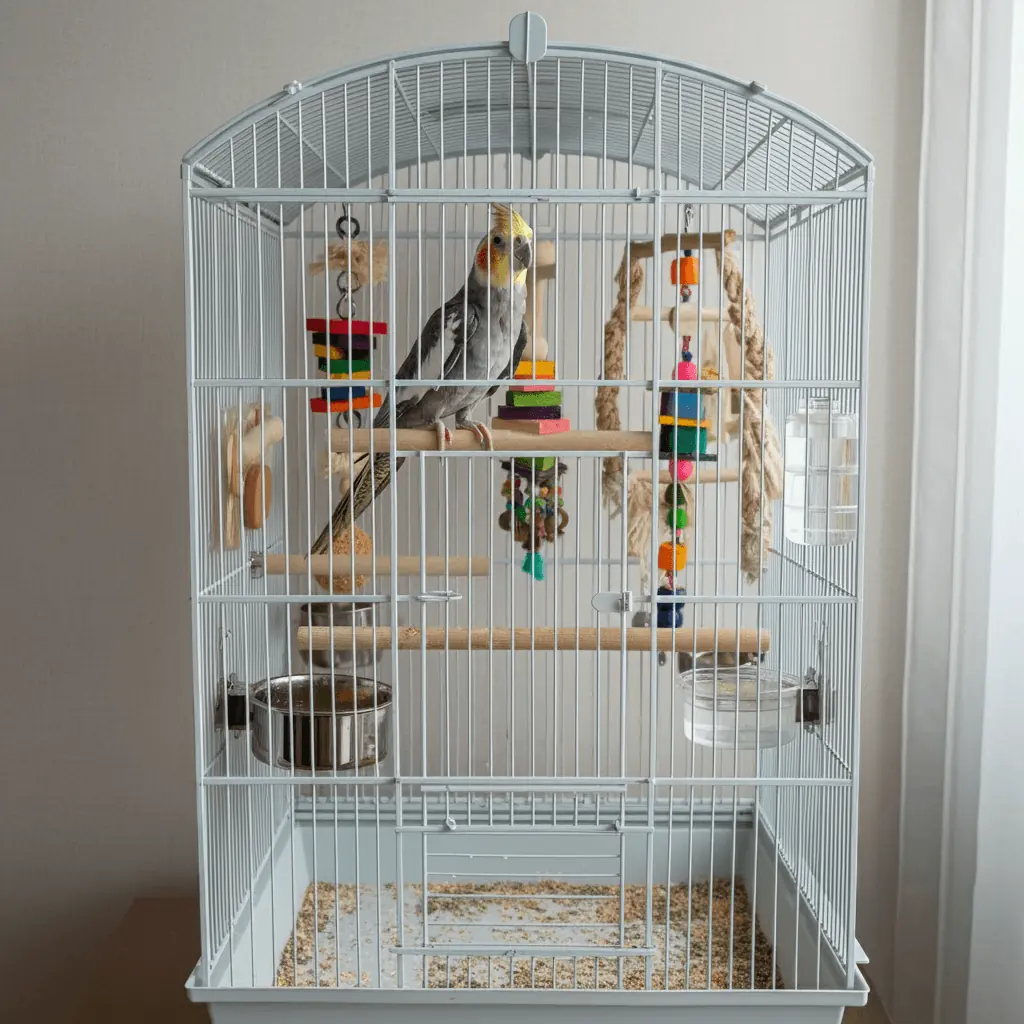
(346, 307)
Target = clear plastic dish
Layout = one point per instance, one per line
(714, 715)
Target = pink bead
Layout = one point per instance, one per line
(680, 470)
(686, 371)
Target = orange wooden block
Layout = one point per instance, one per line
(684, 271)
(543, 369)
(672, 557)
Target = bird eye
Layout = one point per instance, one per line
(497, 239)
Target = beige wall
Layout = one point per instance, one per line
(99, 102)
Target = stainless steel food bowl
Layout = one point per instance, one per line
(345, 661)
(328, 733)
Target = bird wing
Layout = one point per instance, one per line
(447, 326)
(517, 355)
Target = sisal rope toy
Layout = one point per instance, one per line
(758, 364)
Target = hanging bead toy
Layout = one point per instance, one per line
(684, 440)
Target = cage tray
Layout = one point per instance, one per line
(330, 948)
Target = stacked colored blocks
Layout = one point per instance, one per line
(343, 348)
(533, 408)
(684, 430)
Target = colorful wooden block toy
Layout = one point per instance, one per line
(367, 402)
(541, 368)
(534, 399)
(672, 557)
(683, 404)
(544, 412)
(537, 427)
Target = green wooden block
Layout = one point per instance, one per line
(534, 399)
(683, 441)
(344, 365)
(540, 464)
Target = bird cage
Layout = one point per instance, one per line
(527, 634)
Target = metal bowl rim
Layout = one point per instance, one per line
(267, 684)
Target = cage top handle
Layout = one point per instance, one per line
(528, 37)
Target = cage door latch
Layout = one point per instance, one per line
(613, 603)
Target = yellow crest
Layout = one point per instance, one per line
(510, 222)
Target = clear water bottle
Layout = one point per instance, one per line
(821, 488)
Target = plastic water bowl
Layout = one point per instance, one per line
(731, 708)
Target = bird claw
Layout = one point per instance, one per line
(444, 437)
(481, 433)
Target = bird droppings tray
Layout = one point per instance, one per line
(345, 949)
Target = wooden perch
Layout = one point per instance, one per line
(687, 314)
(711, 475)
(672, 242)
(322, 638)
(633, 441)
(408, 565)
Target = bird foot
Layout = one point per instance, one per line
(444, 437)
(481, 433)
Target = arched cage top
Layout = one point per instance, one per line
(357, 128)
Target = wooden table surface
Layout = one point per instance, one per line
(143, 968)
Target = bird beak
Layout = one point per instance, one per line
(523, 254)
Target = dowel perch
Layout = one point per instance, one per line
(632, 441)
(726, 475)
(711, 240)
(322, 638)
(408, 565)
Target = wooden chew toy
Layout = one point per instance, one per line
(502, 638)
(245, 491)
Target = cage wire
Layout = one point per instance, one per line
(440, 772)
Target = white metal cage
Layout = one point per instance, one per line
(534, 748)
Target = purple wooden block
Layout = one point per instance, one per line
(539, 412)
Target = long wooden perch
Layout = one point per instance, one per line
(638, 441)
(408, 565)
(322, 638)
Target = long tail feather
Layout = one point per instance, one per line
(371, 482)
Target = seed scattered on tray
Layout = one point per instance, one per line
(721, 929)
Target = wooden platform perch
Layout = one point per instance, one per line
(408, 565)
(501, 638)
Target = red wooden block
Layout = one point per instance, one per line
(532, 426)
(319, 325)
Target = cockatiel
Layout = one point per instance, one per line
(484, 324)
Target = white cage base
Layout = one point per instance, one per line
(241, 987)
